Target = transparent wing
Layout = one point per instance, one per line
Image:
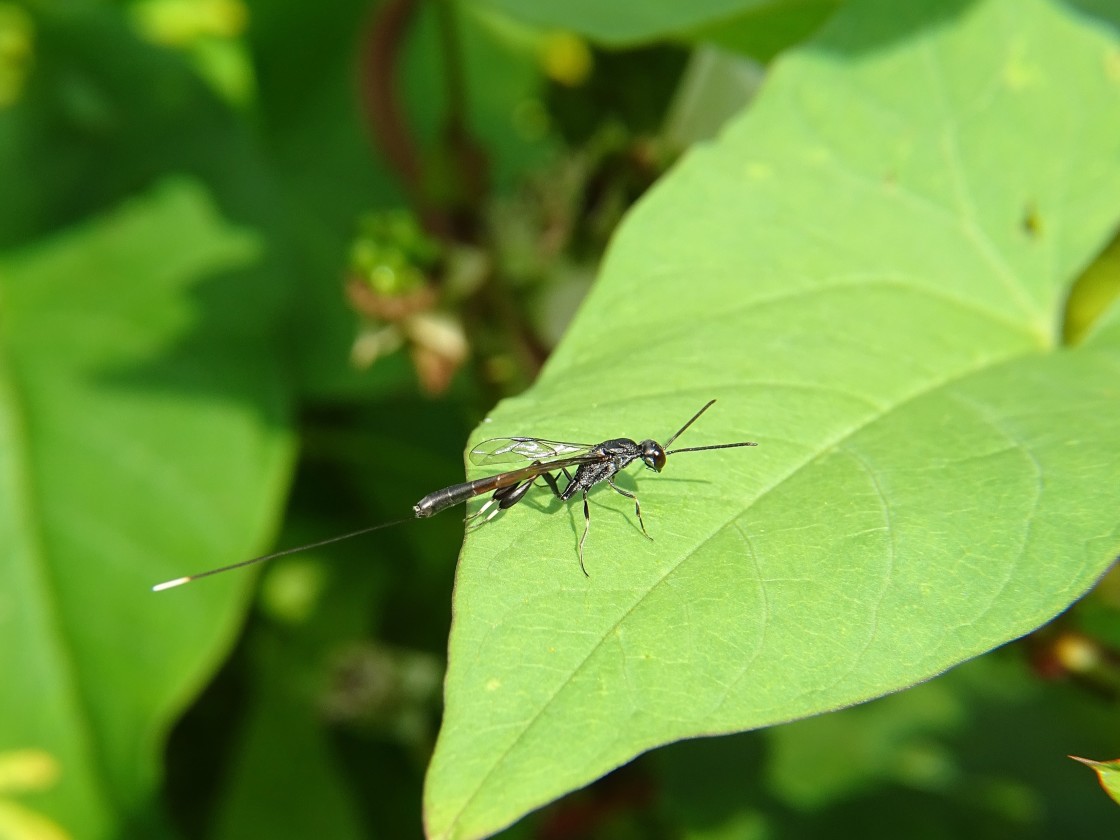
(520, 449)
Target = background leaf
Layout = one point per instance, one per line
(869, 271)
(946, 758)
(624, 23)
(143, 481)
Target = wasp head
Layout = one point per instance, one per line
(652, 454)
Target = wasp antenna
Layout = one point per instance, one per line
(695, 417)
(714, 446)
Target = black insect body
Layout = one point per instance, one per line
(620, 453)
(593, 463)
(547, 460)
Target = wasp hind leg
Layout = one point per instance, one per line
(505, 498)
(472, 525)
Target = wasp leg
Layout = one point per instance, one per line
(586, 528)
(637, 506)
(512, 495)
(507, 497)
(481, 511)
(553, 485)
(504, 498)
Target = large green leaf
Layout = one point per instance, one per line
(140, 437)
(869, 271)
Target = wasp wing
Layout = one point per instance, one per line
(520, 449)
